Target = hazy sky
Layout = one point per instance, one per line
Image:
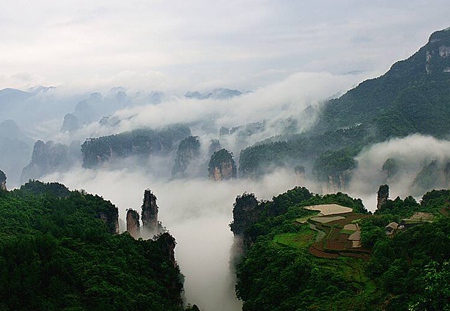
(180, 45)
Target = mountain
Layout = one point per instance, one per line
(15, 150)
(413, 97)
(219, 94)
(10, 97)
(60, 250)
(140, 142)
(49, 157)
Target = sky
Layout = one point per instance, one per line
(200, 45)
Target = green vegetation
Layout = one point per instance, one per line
(222, 161)
(412, 97)
(57, 252)
(285, 266)
(140, 142)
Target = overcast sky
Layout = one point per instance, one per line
(187, 45)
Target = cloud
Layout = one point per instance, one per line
(197, 212)
(193, 42)
(411, 153)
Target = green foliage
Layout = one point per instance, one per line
(333, 164)
(412, 97)
(409, 265)
(140, 142)
(223, 160)
(408, 270)
(271, 154)
(337, 198)
(57, 253)
(278, 273)
(36, 187)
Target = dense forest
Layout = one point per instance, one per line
(59, 251)
(296, 260)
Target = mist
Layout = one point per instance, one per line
(412, 154)
(196, 212)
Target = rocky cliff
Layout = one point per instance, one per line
(70, 123)
(2, 180)
(188, 151)
(133, 223)
(46, 158)
(245, 213)
(149, 214)
(382, 196)
(222, 166)
(140, 143)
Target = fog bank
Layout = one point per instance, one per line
(196, 212)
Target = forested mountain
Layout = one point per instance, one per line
(414, 93)
(140, 142)
(296, 259)
(59, 250)
(413, 97)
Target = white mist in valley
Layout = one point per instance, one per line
(196, 212)
(412, 154)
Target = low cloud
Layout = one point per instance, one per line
(197, 212)
(411, 154)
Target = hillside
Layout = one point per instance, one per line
(60, 250)
(309, 252)
(415, 90)
(413, 97)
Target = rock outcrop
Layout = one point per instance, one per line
(70, 123)
(140, 143)
(2, 180)
(188, 151)
(167, 243)
(222, 166)
(245, 213)
(46, 158)
(390, 168)
(133, 223)
(149, 214)
(382, 196)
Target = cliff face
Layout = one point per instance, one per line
(70, 123)
(337, 182)
(188, 151)
(46, 158)
(150, 213)
(382, 195)
(222, 166)
(111, 218)
(2, 180)
(140, 143)
(167, 244)
(245, 214)
(133, 223)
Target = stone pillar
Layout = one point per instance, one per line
(382, 195)
(133, 223)
(149, 212)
